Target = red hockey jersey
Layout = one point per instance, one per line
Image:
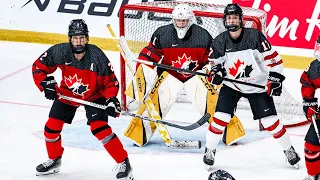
(310, 80)
(88, 79)
(190, 53)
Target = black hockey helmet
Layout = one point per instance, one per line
(78, 27)
(232, 9)
(220, 175)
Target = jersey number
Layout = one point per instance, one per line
(266, 45)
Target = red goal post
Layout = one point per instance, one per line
(137, 22)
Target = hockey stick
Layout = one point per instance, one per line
(127, 52)
(193, 126)
(314, 118)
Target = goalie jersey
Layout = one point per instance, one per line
(190, 53)
(249, 58)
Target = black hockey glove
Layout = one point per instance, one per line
(113, 107)
(275, 84)
(310, 107)
(49, 87)
(215, 79)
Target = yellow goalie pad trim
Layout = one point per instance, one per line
(139, 86)
(136, 130)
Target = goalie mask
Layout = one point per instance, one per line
(182, 18)
(78, 27)
(317, 49)
(229, 10)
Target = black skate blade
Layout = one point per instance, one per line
(52, 171)
(129, 177)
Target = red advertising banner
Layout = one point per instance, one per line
(290, 23)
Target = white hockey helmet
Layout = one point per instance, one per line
(317, 49)
(183, 11)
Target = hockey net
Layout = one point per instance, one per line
(139, 21)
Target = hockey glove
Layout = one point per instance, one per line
(215, 79)
(275, 84)
(310, 107)
(113, 107)
(49, 87)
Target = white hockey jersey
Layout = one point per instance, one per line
(249, 58)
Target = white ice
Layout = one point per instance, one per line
(24, 111)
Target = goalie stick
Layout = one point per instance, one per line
(200, 122)
(151, 109)
(127, 52)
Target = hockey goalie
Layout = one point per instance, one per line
(184, 45)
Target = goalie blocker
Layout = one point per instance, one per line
(163, 96)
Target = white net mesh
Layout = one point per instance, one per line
(139, 21)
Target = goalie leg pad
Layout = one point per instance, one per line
(312, 158)
(140, 132)
(233, 132)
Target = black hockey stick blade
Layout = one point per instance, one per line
(205, 118)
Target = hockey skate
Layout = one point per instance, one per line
(316, 177)
(49, 167)
(208, 158)
(124, 170)
(292, 157)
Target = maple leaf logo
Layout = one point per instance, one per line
(234, 70)
(185, 62)
(76, 85)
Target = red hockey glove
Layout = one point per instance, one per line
(49, 87)
(275, 84)
(310, 107)
(113, 107)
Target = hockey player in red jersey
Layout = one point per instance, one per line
(247, 56)
(87, 74)
(310, 80)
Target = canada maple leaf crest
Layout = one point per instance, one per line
(185, 62)
(234, 70)
(76, 85)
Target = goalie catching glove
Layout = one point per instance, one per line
(310, 107)
(113, 107)
(275, 84)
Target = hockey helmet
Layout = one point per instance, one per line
(78, 27)
(182, 11)
(220, 175)
(317, 49)
(232, 9)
